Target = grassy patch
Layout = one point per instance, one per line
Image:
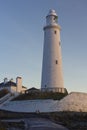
(3, 92)
(72, 120)
(41, 95)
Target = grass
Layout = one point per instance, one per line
(71, 120)
(41, 95)
(6, 125)
(3, 92)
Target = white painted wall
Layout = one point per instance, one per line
(13, 89)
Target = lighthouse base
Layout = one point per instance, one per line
(59, 90)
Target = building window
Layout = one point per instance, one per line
(59, 43)
(55, 32)
(56, 61)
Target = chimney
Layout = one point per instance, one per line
(5, 80)
(19, 84)
(11, 79)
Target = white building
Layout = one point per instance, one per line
(52, 76)
(13, 87)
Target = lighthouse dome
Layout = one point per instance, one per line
(52, 12)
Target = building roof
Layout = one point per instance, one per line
(9, 83)
(24, 87)
(32, 90)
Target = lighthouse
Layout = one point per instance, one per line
(52, 75)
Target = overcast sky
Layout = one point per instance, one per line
(22, 36)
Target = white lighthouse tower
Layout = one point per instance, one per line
(52, 76)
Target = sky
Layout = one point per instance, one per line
(22, 38)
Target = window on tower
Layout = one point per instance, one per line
(55, 19)
(55, 31)
(56, 61)
(59, 43)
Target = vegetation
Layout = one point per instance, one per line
(41, 95)
(3, 92)
(2, 127)
(5, 125)
(71, 120)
